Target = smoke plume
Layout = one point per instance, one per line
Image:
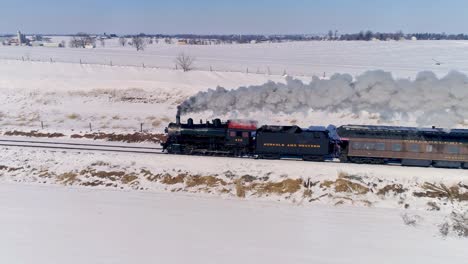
(441, 101)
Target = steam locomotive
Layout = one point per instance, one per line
(407, 146)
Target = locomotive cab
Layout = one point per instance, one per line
(240, 134)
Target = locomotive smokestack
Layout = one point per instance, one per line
(178, 116)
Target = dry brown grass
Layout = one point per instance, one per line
(122, 176)
(286, 186)
(209, 181)
(73, 116)
(345, 175)
(240, 189)
(9, 169)
(33, 133)
(128, 178)
(432, 190)
(395, 188)
(307, 193)
(224, 190)
(343, 185)
(110, 175)
(129, 138)
(68, 178)
(326, 184)
(167, 179)
(156, 123)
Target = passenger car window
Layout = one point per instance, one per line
(451, 149)
(232, 133)
(380, 146)
(396, 147)
(356, 145)
(369, 146)
(413, 147)
(429, 148)
(245, 134)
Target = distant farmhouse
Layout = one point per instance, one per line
(21, 40)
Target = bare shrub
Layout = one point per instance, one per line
(456, 223)
(433, 206)
(411, 220)
(185, 62)
(122, 41)
(139, 43)
(444, 229)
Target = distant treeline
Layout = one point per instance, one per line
(332, 35)
(235, 38)
(369, 35)
(257, 38)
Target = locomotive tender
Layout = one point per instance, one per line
(407, 146)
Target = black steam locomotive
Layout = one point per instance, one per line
(244, 138)
(356, 144)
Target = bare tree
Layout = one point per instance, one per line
(103, 42)
(139, 42)
(122, 41)
(80, 40)
(185, 62)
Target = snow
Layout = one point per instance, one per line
(80, 206)
(403, 58)
(43, 224)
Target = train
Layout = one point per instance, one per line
(361, 144)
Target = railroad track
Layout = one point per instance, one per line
(79, 146)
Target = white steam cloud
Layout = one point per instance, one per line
(434, 101)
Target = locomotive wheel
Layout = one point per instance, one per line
(313, 158)
(271, 157)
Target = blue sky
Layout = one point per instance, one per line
(232, 16)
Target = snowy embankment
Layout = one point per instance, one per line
(297, 182)
(44, 224)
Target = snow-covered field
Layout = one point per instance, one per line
(43, 224)
(403, 58)
(143, 208)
